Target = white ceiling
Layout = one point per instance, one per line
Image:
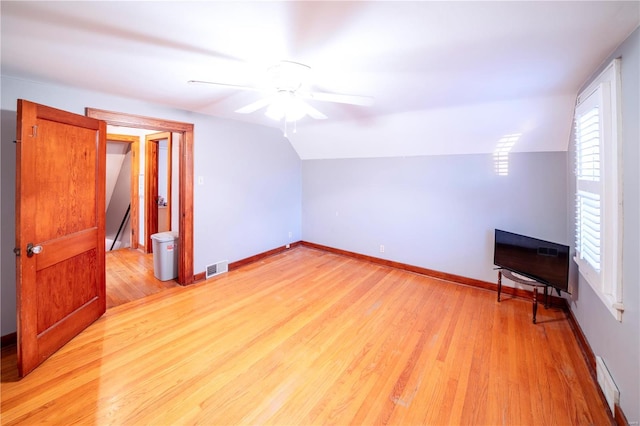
(447, 77)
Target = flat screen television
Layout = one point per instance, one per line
(539, 260)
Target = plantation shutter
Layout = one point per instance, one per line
(598, 122)
(589, 149)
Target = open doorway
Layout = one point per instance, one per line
(130, 271)
(182, 138)
(122, 168)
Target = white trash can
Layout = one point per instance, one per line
(165, 255)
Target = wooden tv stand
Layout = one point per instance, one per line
(535, 284)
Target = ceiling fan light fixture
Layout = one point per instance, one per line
(295, 116)
(275, 112)
(286, 106)
(286, 94)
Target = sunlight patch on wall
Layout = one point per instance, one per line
(501, 153)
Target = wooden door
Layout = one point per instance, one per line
(150, 193)
(151, 185)
(60, 222)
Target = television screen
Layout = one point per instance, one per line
(539, 260)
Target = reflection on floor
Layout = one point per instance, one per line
(130, 277)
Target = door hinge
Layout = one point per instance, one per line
(16, 250)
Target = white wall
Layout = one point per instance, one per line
(618, 342)
(119, 205)
(163, 170)
(249, 201)
(463, 129)
(437, 212)
(116, 152)
(175, 182)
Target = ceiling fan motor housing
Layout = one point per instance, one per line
(288, 76)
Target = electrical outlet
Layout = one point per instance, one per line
(381, 248)
(290, 234)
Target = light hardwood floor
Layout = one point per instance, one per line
(309, 337)
(130, 277)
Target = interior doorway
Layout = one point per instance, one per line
(183, 137)
(123, 167)
(130, 273)
(130, 270)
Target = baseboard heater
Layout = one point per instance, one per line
(608, 386)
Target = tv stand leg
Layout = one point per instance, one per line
(535, 303)
(546, 297)
(499, 284)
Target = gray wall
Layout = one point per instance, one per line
(617, 342)
(7, 222)
(438, 212)
(249, 202)
(252, 176)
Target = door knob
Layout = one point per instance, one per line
(31, 249)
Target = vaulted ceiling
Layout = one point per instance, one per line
(446, 77)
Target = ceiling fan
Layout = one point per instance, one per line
(286, 94)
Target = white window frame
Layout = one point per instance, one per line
(604, 275)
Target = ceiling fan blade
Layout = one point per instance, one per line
(252, 107)
(339, 98)
(233, 86)
(312, 112)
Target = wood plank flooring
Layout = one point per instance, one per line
(130, 277)
(309, 337)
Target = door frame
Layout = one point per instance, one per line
(151, 165)
(185, 170)
(134, 141)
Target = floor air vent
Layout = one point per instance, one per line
(217, 268)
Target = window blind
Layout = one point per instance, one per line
(589, 189)
(588, 230)
(588, 145)
(598, 208)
